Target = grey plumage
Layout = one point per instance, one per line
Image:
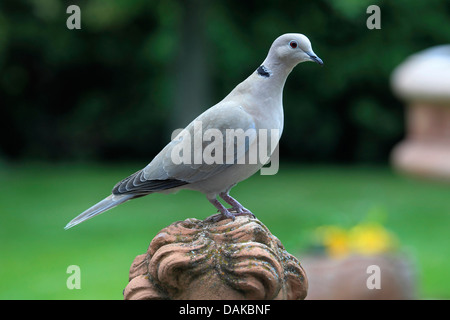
(106, 204)
(254, 105)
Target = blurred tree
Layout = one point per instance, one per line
(138, 67)
(191, 72)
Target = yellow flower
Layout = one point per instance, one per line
(335, 240)
(370, 238)
(367, 239)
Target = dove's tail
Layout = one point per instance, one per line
(104, 205)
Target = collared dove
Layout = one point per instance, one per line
(255, 104)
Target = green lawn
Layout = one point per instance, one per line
(36, 201)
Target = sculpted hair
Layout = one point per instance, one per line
(242, 256)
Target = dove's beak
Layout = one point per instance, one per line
(314, 58)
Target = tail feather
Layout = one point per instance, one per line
(104, 205)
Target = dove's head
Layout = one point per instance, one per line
(293, 48)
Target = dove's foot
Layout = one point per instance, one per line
(236, 206)
(236, 210)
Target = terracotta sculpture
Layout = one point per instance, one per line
(195, 259)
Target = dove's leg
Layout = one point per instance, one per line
(224, 211)
(240, 210)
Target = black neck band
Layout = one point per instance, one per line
(263, 71)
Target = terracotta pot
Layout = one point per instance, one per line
(360, 277)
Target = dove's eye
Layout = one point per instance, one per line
(293, 44)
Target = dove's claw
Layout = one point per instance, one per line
(236, 210)
(236, 206)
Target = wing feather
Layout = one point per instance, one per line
(164, 173)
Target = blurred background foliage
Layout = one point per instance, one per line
(138, 68)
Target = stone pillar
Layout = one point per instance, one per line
(423, 82)
(195, 259)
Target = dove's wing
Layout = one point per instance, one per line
(187, 158)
